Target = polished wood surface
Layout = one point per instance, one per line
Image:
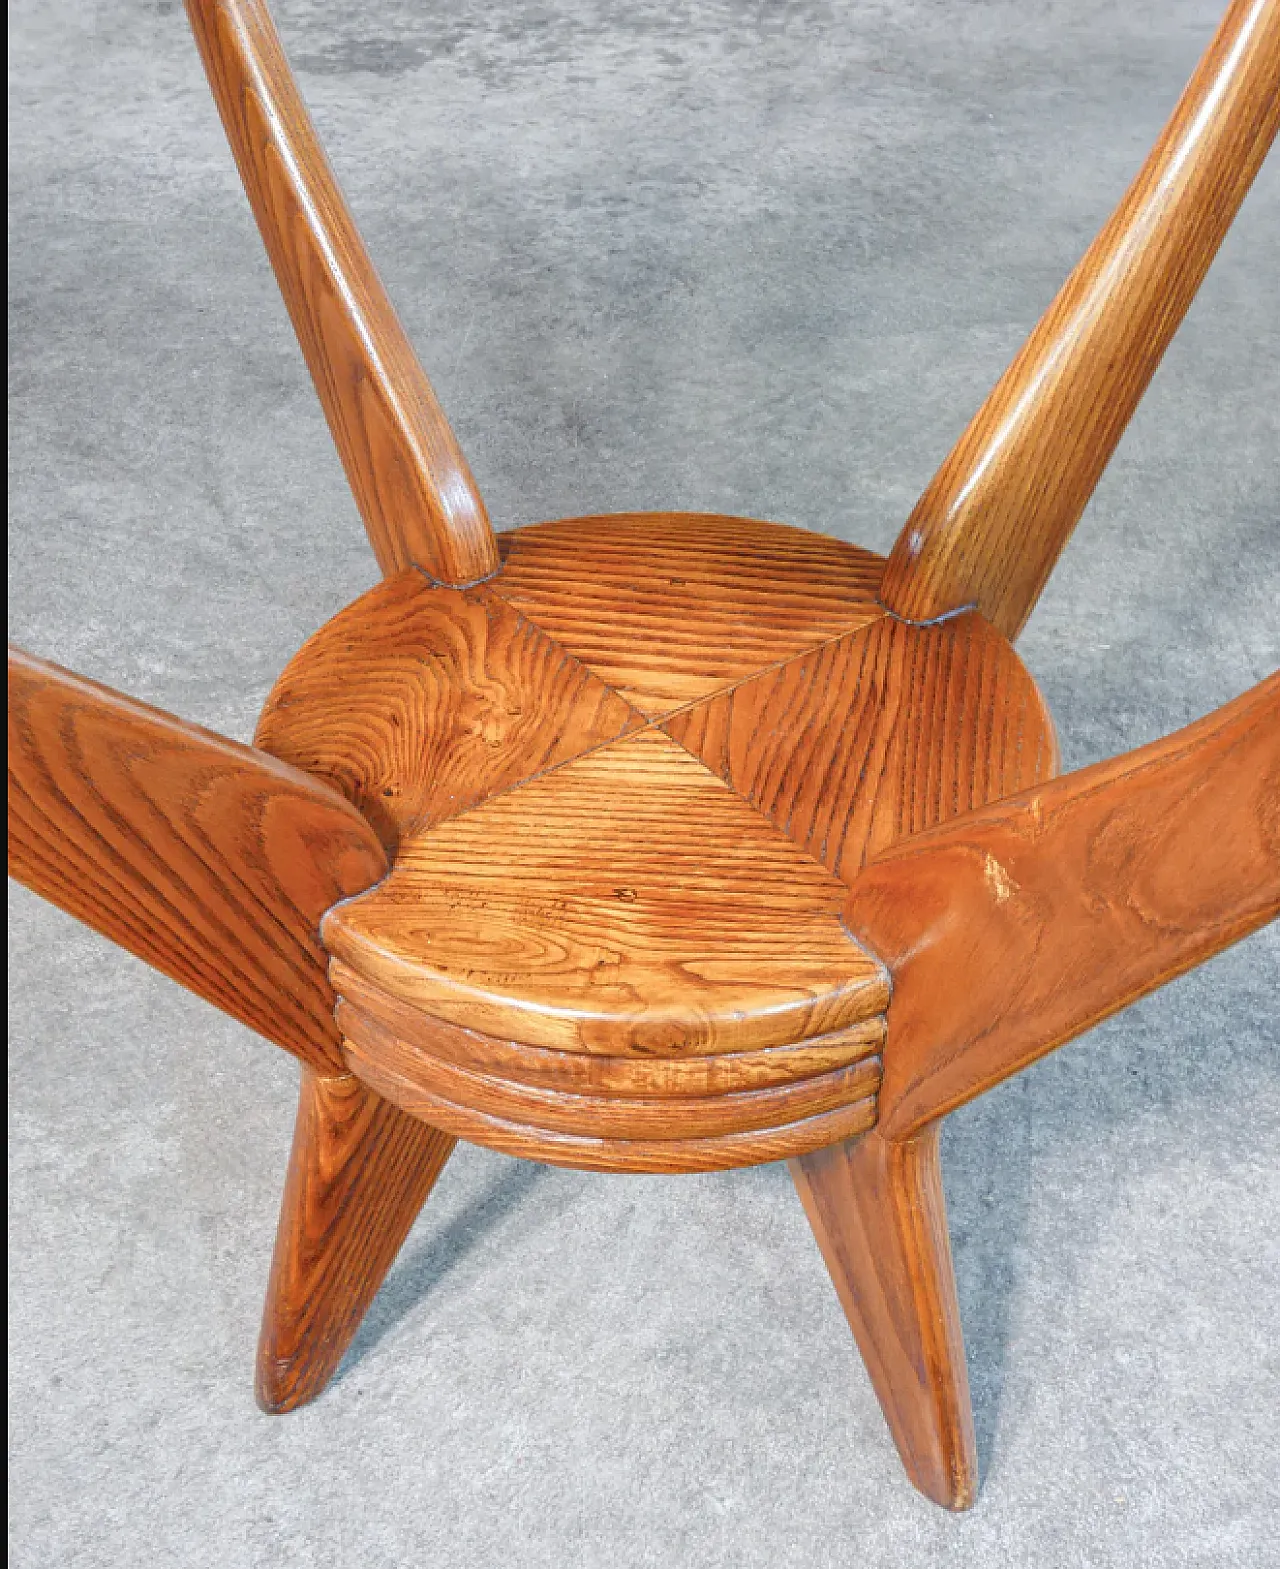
(411, 482)
(624, 1113)
(860, 744)
(581, 1073)
(1014, 928)
(359, 1172)
(656, 899)
(210, 861)
(629, 902)
(419, 702)
(377, 1057)
(878, 1213)
(611, 1117)
(668, 607)
(670, 842)
(1008, 930)
(990, 526)
(877, 735)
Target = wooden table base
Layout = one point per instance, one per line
(670, 842)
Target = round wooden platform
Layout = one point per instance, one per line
(624, 784)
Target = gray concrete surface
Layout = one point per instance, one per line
(758, 258)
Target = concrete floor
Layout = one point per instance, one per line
(756, 258)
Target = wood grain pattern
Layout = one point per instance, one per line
(377, 1062)
(1014, 928)
(878, 735)
(672, 799)
(207, 859)
(1006, 931)
(849, 749)
(668, 607)
(877, 1210)
(999, 512)
(607, 1116)
(418, 702)
(419, 1034)
(359, 1173)
(627, 903)
(411, 482)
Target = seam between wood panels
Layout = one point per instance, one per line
(414, 827)
(570, 658)
(519, 784)
(880, 610)
(764, 670)
(801, 850)
(539, 773)
(655, 722)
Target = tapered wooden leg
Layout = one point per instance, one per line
(360, 1171)
(877, 1210)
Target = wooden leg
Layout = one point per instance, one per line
(876, 1208)
(360, 1171)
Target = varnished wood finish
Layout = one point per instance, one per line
(411, 482)
(612, 1117)
(670, 607)
(617, 1117)
(629, 902)
(877, 735)
(877, 1210)
(678, 806)
(1007, 931)
(994, 520)
(579, 1073)
(852, 748)
(380, 1062)
(1014, 928)
(359, 1173)
(419, 702)
(208, 860)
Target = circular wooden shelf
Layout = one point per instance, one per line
(624, 784)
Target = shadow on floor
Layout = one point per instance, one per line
(421, 1268)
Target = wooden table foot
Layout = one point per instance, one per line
(359, 1173)
(877, 1210)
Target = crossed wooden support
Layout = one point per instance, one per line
(671, 843)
